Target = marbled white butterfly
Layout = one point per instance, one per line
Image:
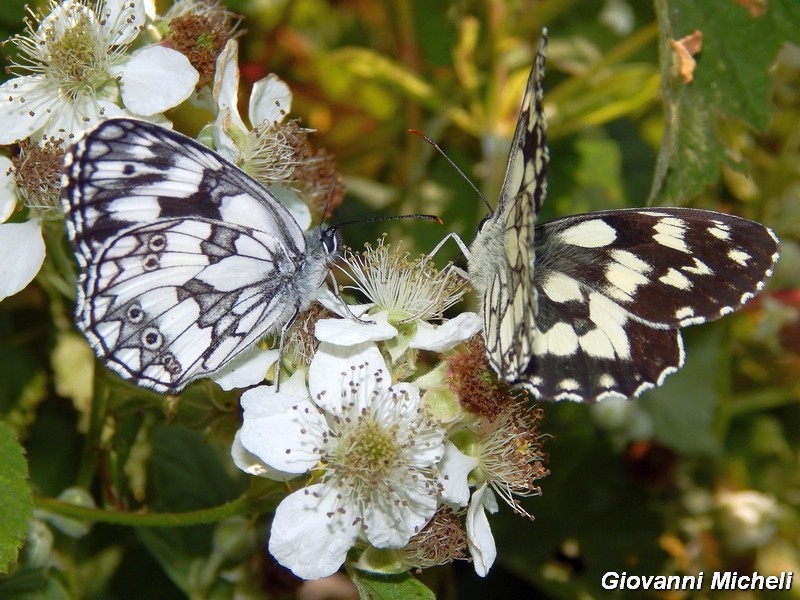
(589, 307)
(185, 261)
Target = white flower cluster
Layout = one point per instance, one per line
(381, 456)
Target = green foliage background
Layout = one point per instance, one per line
(175, 519)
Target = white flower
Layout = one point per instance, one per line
(246, 369)
(479, 535)
(81, 71)
(261, 151)
(21, 244)
(371, 448)
(403, 296)
(498, 456)
(747, 519)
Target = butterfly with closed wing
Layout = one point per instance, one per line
(589, 306)
(185, 261)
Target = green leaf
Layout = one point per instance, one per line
(378, 81)
(394, 587)
(34, 584)
(587, 498)
(188, 473)
(15, 498)
(731, 78)
(683, 409)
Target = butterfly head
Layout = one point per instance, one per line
(330, 241)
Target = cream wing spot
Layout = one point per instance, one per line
(670, 233)
(699, 268)
(595, 233)
(561, 288)
(720, 231)
(676, 279)
(559, 340)
(740, 257)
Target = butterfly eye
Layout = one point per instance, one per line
(329, 239)
(483, 222)
(152, 338)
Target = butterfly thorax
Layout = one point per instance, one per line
(322, 249)
(486, 249)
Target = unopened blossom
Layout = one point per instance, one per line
(76, 66)
(747, 519)
(368, 444)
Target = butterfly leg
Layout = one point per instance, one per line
(335, 291)
(284, 329)
(459, 242)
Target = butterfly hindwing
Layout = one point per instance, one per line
(615, 286)
(185, 260)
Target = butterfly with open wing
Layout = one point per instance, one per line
(589, 306)
(185, 260)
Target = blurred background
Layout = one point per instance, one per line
(698, 475)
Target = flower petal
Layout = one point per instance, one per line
(479, 535)
(348, 332)
(335, 368)
(250, 463)
(389, 523)
(246, 369)
(337, 306)
(454, 469)
(226, 84)
(447, 335)
(144, 74)
(8, 189)
(294, 204)
(270, 100)
(22, 249)
(283, 429)
(310, 535)
(25, 105)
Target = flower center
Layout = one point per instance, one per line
(73, 48)
(369, 452)
(272, 151)
(408, 289)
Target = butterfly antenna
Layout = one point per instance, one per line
(395, 218)
(454, 165)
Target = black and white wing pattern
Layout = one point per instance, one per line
(614, 287)
(185, 261)
(501, 258)
(589, 307)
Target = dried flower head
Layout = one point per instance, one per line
(37, 173)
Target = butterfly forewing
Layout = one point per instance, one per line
(185, 261)
(502, 255)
